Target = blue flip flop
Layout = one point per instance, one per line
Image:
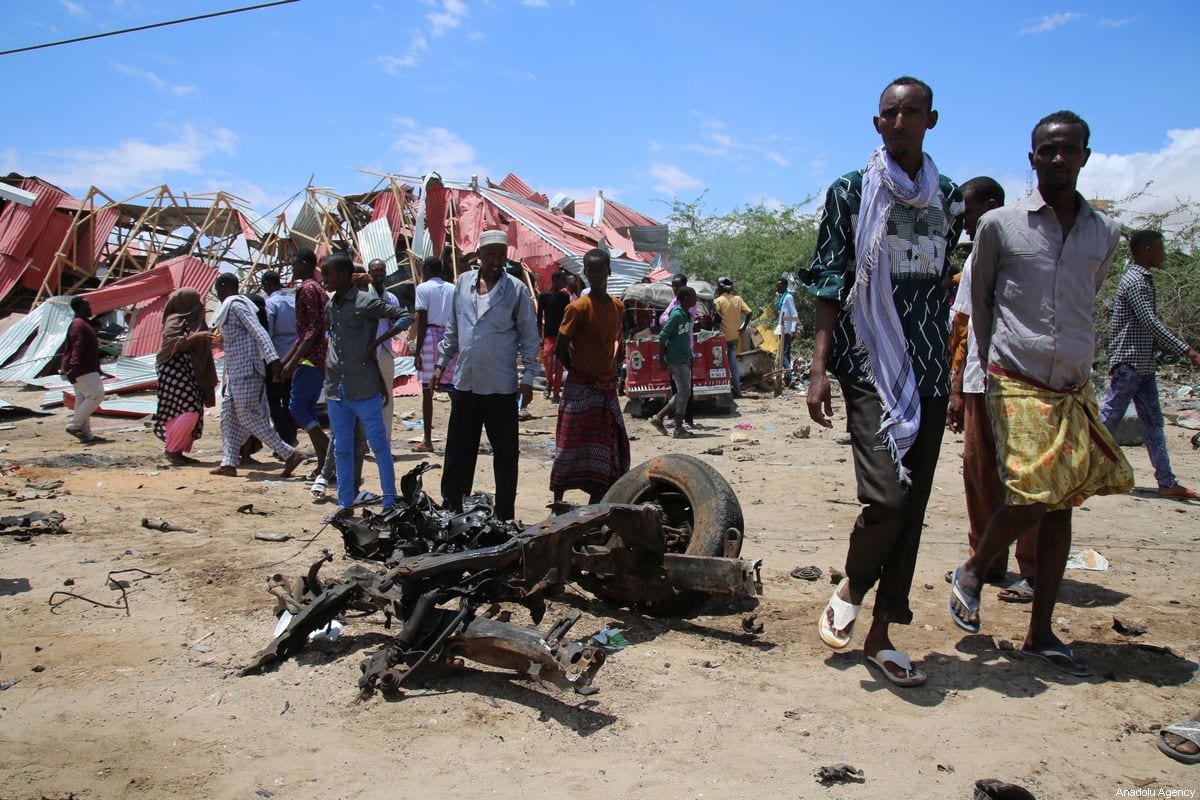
(1063, 659)
(967, 601)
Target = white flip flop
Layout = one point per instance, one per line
(912, 675)
(844, 615)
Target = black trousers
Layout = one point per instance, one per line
(278, 395)
(887, 533)
(470, 415)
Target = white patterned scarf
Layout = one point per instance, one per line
(873, 311)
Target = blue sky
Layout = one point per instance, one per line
(751, 101)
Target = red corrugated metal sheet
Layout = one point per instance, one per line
(436, 198)
(44, 250)
(615, 214)
(386, 206)
(21, 227)
(93, 234)
(512, 183)
(146, 336)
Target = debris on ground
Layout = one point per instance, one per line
(802, 433)
(810, 573)
(273, 536)
(249, 509)
(751, 625)
(472, 561)
(713, 451)
(992, 789)
(40, 490)
(111, 582)
(33, 523)
(1087, 559)
(1127, 628)
(158, 524)
(839, 773)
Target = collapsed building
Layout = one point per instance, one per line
(129, 255)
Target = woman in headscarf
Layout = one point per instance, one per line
(187, 376)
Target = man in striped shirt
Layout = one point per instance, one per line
(1132, 335)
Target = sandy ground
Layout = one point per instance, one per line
(148, 705)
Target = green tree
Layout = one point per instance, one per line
(753, 245)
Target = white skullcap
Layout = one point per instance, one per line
(492, 237)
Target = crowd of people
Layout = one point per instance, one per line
(1001, 353)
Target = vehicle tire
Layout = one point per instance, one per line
(690, 491)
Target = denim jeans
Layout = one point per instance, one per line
(735, 378)
(342, 413)
(1125, 384)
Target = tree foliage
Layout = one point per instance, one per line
(753, 245)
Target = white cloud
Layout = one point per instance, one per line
(476, 36)
(449, 17)
(423, 149)
(133, 163)
(1173, 172)
(535, 3)
(715, 142)
(671, 179)
(768, 202)
(1048, 22)
(1116, 23)
(654, 146)
(74, 9)
(392, 65)
(162, 85)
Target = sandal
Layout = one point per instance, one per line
(1188, 731)
(319, 487)
(970, 622)
(911, 677)
(421, 448)
(1019, 592)
(844, 615)
(1177, 492)
(1062, 659)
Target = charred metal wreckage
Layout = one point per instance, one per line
(445, 574)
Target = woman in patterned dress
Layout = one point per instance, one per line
(187, 376)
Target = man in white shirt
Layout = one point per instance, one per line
(435, 300)
(385, 357)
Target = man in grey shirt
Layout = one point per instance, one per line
(1038, 265)
(353, 389)
(491, 322)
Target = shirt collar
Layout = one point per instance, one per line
(1036, 203)
(1139, 269)
(350, 294)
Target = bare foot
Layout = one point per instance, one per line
(293, 461)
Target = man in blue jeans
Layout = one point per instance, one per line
(353, 388)
(1134, 331)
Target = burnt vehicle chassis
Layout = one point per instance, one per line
(444, 575)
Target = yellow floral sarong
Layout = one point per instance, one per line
(1051, 446)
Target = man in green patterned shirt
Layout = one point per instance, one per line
(882, 329)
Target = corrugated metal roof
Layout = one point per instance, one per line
(625, 272)
(22, 226)
(306, 228)
(375, 241)
(52, 319)
(146, 335)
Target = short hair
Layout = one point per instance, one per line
(908, 80)
(1060, 118)
(376, 261)
(338, 262)
(685, 293)
(597, 257)
(1139, 239)
(433, 265)
(984, 188)
(270, 277)
(679, 276)
(307, 257)
(78, 302)
(227, 280)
